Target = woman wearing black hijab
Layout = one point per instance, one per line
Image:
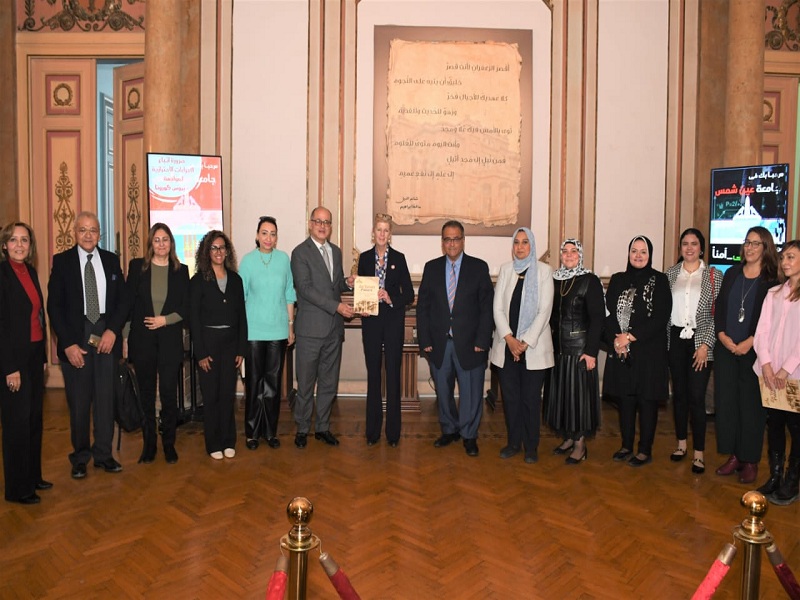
(639, 303)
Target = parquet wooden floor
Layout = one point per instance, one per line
(412, 522)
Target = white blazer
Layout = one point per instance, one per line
(539, 354)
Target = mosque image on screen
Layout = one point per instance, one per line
(741, 198)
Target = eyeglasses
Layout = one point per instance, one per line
(753, 243)
(85, 230)
(321, 222)
(453, 240)
(219, 248)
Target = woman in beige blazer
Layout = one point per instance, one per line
(523, 347)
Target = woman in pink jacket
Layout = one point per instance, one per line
(777, 346)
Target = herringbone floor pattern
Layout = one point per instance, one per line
(412, 522)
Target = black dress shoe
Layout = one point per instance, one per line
(371, 442)
(446, 439)
(532, 458)
(640, 462)
(576, 461)
(678, 455)
(148, 455)
(79, 471)
(300, 440)
(170, 455)
(43, 485)
(109, 465)
(30, 499)
(698, 466)
(327, 437)
(251, 444)
(471, 446)
(393, 443)
(562, 449)
(622, 455)
(509, 451)
(274, 442)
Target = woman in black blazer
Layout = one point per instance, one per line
(22, 358)
(740, 417)
(158, 286)
(385, 330)
(219, 338)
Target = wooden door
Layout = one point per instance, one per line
(779, 142)
(130, 195)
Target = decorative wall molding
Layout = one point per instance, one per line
(783, 26)
(134, 215)
(83, 15)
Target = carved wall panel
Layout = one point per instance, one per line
(80, 15)
(63, 94)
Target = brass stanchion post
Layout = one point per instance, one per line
(298, 542)
(753, 533)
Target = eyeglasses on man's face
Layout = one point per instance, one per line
(753, 243)
(452, 240)
(321, 222)
(89, 230)
(219, 248)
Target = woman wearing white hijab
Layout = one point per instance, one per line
(523, 348)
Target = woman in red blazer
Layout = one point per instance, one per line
(22, 358)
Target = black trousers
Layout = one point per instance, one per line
(740, 417)
(218, 387)
(382, 337)
(21, 418)
(158, 365)
(522, 402)
(688, 390)
(629, 405)
(91, 389)
(262, 399)
(778, 421)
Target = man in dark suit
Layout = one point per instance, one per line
(88, 306)
(319, 326)
(454, 327)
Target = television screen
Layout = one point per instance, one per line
(741, 198)
(185, 193)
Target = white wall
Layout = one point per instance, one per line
(491, 14)
(270, 81)
(631, 129)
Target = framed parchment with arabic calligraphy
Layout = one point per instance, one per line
(452, 130)
(786, 399)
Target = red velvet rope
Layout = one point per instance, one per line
(789, 583)
(343, 586)
(710, 584)
(277, 585)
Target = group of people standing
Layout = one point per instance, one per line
(542, 329)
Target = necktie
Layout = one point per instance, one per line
(92, 300)
(451, 286)
(327, 260)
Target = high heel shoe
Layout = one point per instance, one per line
(562, 449)
(576, 461)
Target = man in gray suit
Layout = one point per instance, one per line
(319, 327)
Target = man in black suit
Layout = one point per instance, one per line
(88, 306)
(454, 327)
(319, 328)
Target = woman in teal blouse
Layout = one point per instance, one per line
(269, 300)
